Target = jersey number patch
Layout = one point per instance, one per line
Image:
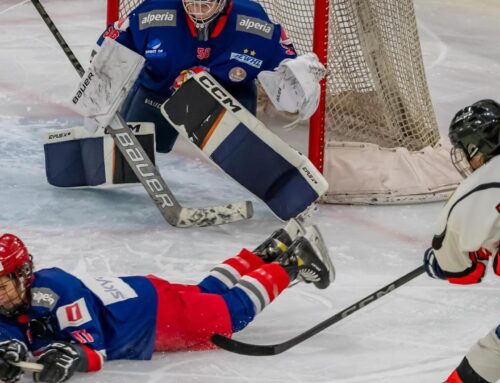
(203, 53)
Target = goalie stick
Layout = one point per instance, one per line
(275, 349)
(146, 172)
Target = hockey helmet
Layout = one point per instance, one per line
(203, 13)
(16, 263)
(475, 130)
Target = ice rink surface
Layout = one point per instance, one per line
(416, 334)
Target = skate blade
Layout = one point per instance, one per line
(314, 236)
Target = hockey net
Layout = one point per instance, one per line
(374, 136)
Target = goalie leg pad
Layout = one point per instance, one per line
(261, 169)
(205, 113)
(74, 158)
(65, 163)
(246, 95)
(144, 105)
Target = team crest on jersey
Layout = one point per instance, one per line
(203, 53)
(73, 315)
(247, 57)
(154, 49)
(237, 74)
(158, 18)
(255, 26)
(286, 43)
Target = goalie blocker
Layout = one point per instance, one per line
(76, 158)
(205, 113)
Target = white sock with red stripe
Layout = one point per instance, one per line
(263, 285)
(231, 270)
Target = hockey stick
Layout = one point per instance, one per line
(60, 40)
(146, 172)
(28, 366)
(275, 349)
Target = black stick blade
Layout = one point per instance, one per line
(242, 348)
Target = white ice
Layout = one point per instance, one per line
(416, 334)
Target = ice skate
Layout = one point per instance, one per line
(314, 236)
(278, 242)
(305, 262)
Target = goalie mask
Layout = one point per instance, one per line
(16, 274)
(203, 13)
(475, 135)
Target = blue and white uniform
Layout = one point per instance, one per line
(243, 42)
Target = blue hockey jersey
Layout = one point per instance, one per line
(243, 43)
(114, 316)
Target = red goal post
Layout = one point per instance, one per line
(375, 135)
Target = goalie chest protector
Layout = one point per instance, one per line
(205, 113)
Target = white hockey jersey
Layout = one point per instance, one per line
(467, 232)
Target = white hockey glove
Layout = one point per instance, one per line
(294, 86)
(106, 83)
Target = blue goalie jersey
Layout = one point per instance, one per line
(242, 43)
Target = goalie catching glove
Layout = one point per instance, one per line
(294, 86)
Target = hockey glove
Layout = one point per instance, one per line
(11, 351)
(431, 265)
(60, 361)
(476, 271)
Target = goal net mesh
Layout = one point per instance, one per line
(376, 97)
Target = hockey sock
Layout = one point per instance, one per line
(225, 276)
(254, 292)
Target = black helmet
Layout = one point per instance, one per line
(474, 130)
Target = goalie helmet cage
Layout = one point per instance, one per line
(374, 136)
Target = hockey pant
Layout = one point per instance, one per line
(482, 362)
(76, 158)
(143, 104)
(224, 302)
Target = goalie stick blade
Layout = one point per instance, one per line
(217, 215)
(242, 348)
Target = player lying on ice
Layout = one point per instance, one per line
(232, 41)
(75, 323)
(468, 231)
